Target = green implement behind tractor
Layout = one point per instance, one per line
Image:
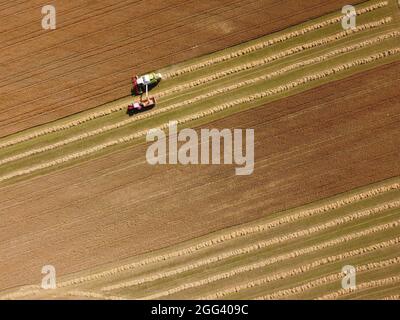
(141, 84)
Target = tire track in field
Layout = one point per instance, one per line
(140, 134)
(214, 92)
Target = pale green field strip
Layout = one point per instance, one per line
(296, 252)
(336, 277)
(214, 92)
(244, 67)
(241, 269)
(294, 273)
(206, 79)
(375, 40)
(256, 246)
(183, 120)
(39, 154)
(228, 55)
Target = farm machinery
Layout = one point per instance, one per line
(142, 105)
(140, 85)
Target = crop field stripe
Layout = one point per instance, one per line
(301, 269)
(273, 260)
(283, 88)
(367, 231)
(258, 245)
(118, 108)
(245, 231)
(335, 277)
(356, 46)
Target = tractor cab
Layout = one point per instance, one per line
(141, 84)
(142, 105)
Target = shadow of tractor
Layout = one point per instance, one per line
(132, 112)
(151, 86)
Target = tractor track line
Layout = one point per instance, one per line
(84, 17)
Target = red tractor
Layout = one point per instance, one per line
(140, 85)
(140, 106)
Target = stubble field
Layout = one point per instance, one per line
(78, 193)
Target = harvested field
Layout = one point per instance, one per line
(95, 47)
(243, 267)
(329, 156)
(235, 79)
(78, 193)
